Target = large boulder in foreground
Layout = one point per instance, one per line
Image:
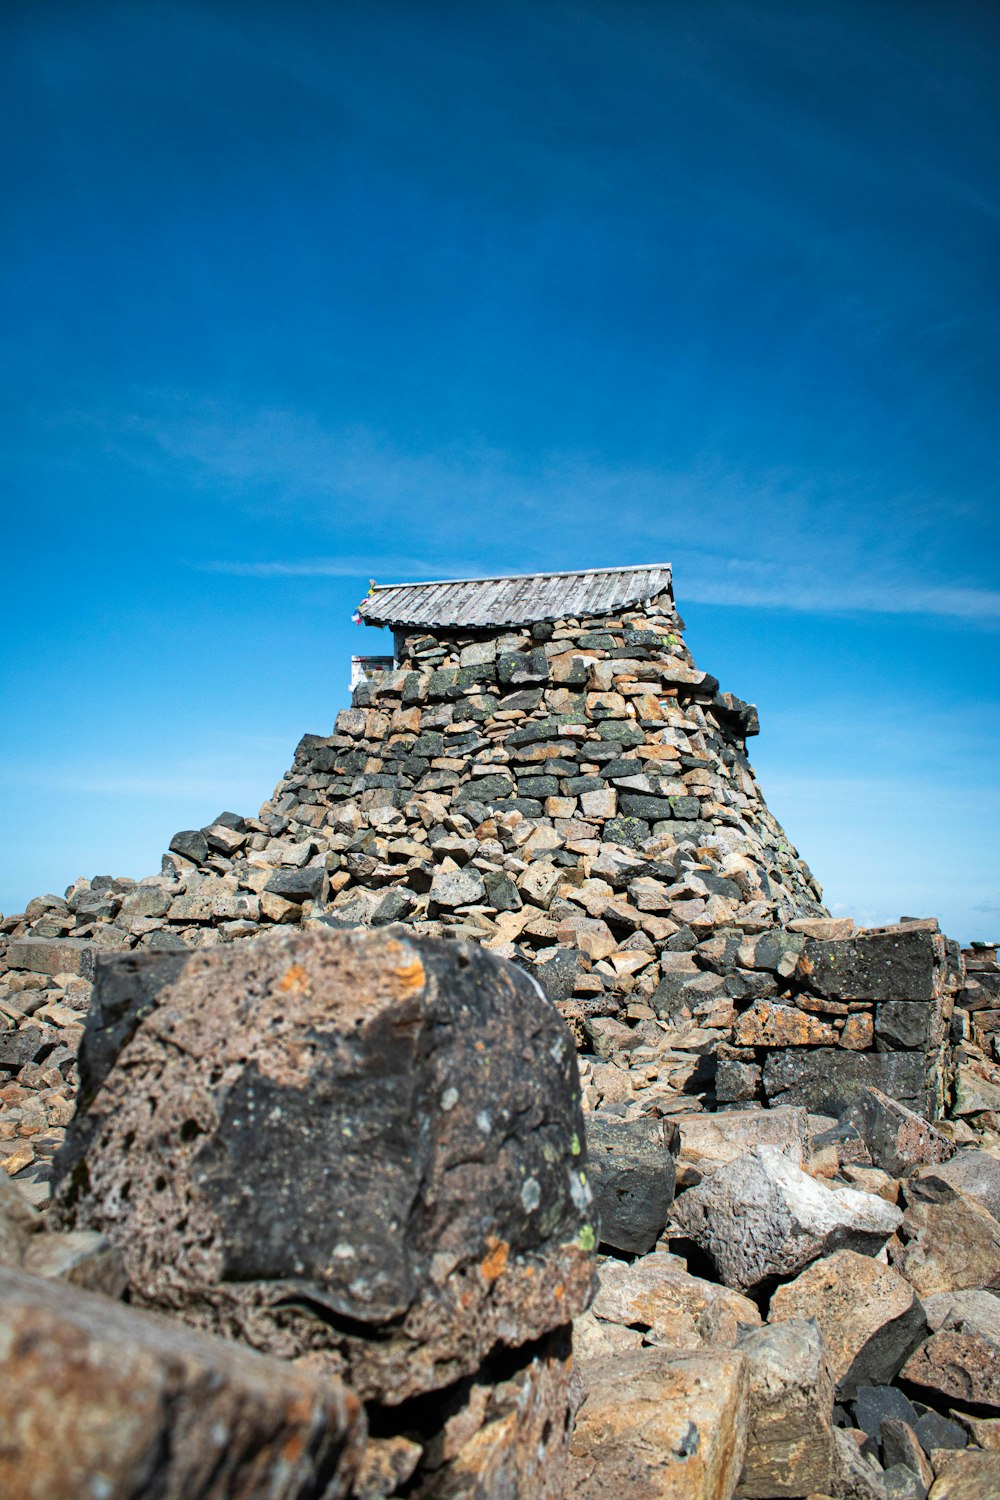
(101, 1399)
(337, 1145)
(761, 1218)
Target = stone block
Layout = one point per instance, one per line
(673, 1308)
(379, 1161)
(709, 1142)
(191, 844)
(603, 804)
(897, 1138)
(632, 1177)
(310, 883)
(961, 1359)
(973, 1172)
(868, 1314)
(828, 1080)
(762, 1218)
(790, 1441)
(452, 888)
(949, 1242)
(51, 956)
(102, 1399)
(907, 1023)
(897, 965)
(658, 1425)
(767, 1024)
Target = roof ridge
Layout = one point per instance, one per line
(424, 583)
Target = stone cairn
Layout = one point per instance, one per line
(558, 785)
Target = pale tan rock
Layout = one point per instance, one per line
(965, 1474)
(658, 1425)
(789, 1450)
(869, 1317)
(949, 1242)
(709, 1142)
(656, 1293)
(82, 1257)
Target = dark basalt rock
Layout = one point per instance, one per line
(342, 1144)
(881, 966)
(828, 1081)
(633, 1174)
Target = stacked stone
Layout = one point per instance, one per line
(574, 795)
(976, 1033)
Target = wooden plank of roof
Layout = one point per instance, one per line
(517, 599)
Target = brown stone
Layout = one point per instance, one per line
(870, 1319)
(93, 1390)
(965, 1474)
(789, 1451)
(504, 1432)
(657, 1294)
(658, 1425)
(949, 1241)
(769, 1025)
(961, 1359)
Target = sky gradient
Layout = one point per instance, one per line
(298, 295)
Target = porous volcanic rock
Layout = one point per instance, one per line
(344, 1146)
(761, 1217)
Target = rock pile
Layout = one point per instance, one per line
(803, 1326)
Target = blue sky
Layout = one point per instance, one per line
(297, 295)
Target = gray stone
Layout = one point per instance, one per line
(518, 667)
(761, 1218)
(20, 1047)
(827, 1080)
(855, 1475)
(395, 906)
(191, 843)
(310, 883)
(501, 892)
(903, 1023)
(635, 805)
(898, 1139)
(451, 888)
(873, 1404)
(881, 966)
(51, 956)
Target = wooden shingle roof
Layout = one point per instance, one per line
(520, 599)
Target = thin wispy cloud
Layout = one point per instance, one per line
(373, 565)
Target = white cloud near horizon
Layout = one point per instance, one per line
(819, 548)
(850, 596)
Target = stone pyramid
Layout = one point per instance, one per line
(533, 740)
